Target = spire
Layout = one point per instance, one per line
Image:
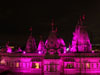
(7, 43)
(81, 42)
(30, 45)
(83, 17)
(30, 29)
(9, 50)
(81, 20)
(41, 46)
(40, 37)
(52, 24)
(56, 29)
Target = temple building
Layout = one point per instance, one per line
(52, 57)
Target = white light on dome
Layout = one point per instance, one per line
(67, 49)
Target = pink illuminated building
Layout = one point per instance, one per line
(51, 57)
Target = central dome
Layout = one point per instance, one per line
(54, 44)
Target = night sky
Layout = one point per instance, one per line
(16, 17)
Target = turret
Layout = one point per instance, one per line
(31, 44)
(9, 50)
(81, 41)
(41, 47)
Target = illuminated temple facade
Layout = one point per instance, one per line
(52, 57)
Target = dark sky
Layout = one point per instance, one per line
(16, 17)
